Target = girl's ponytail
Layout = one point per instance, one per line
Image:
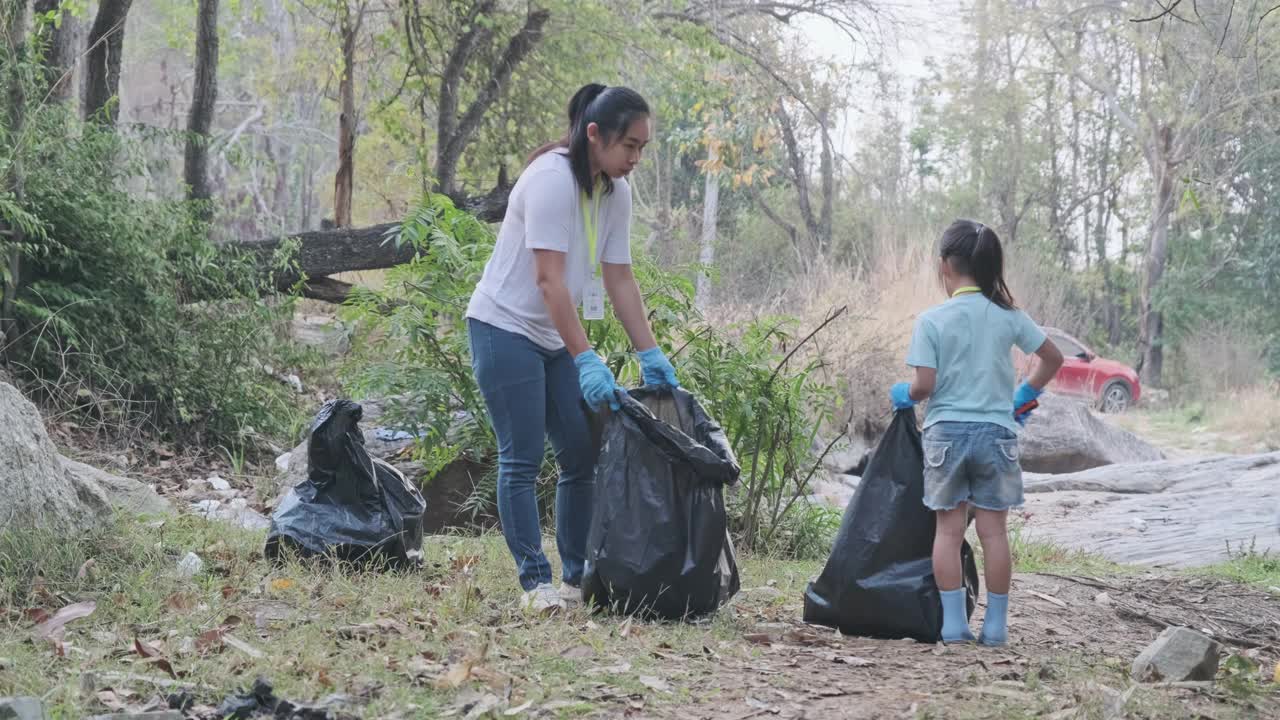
(974, 249)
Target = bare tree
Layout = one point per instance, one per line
(204, 97)
(349, 22)
(106, 51)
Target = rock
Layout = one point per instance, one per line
(322, 332)
(190, 565)
(1102, 599)
(21, 708)
(217, 483)
(1139, 524)
(125, 494)
(294, 382)
(40, 488)
(1192, 509)
(154, 715)
(235, 511)
(1179, 654)
(1065, 436)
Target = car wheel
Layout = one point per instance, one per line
(1116, 397)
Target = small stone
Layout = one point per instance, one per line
(239, 503)
(1102, 599)
(21, 708)
(1139, 524)
(1179, 654)
(282, 461)
(294, 382)
(217, 483)
(190, 565)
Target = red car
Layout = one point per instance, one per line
(1112, 385)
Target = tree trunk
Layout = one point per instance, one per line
(60, 45)
(826, 170)
(345, 178)
(14, 18)
(1151, 320)
(710, 213)
(204, 96)
(106, 48)
(460, 130)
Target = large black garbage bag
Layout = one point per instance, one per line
(878, 581)
(351, 506)
(659, 543)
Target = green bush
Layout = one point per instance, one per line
(770, 402)
(127, 316)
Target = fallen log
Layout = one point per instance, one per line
(336, 250)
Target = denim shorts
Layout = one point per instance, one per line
(971, 462)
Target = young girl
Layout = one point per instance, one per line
(563, 245)
(961, 354)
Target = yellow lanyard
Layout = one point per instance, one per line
(966, 290)
(589, 226)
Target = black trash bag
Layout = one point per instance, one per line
(351, 506)
(878, 581)
(659, 545)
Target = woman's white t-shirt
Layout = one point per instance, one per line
(544, 212)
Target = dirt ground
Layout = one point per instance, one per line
(1069, 657)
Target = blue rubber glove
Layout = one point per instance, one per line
(1023, 395)
(597, 382)
(656, 369)
(901, 396)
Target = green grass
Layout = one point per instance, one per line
(461, 606)
(1246, 565)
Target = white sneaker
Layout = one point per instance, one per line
(571, 595)
(542, 599)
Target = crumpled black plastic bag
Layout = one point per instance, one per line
(659, 544)
(351, 506)
(879, 581)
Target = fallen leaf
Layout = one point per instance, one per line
(243, 646)
(180, 602)
(1050, 598)
(512, 712)
(111, 701)
(855, 661)
(611, 669)
(228, 591)
(55, 627)
(152, 655)
(282, 584)
(578, 652)
(86, 569)
(655, 683)
(231, 621)
(802, 637)
(625, 630)
(455, 676)
(758, 638)
(36, 615)
(464, 563)
(210, 639)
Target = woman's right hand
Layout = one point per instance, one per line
(597, 381)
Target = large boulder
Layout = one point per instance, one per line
(1179, 654)
(1065, 436)
(1170, 513)
(39, 488)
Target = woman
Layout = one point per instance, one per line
(563, 244)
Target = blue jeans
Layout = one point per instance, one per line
(973, 462)
(531, 393)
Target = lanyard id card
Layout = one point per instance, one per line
(593, 291)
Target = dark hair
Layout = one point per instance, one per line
(612, 109)
(973, 249)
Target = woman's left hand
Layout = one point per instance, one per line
(656, 369)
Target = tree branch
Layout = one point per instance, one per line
(456, 63)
